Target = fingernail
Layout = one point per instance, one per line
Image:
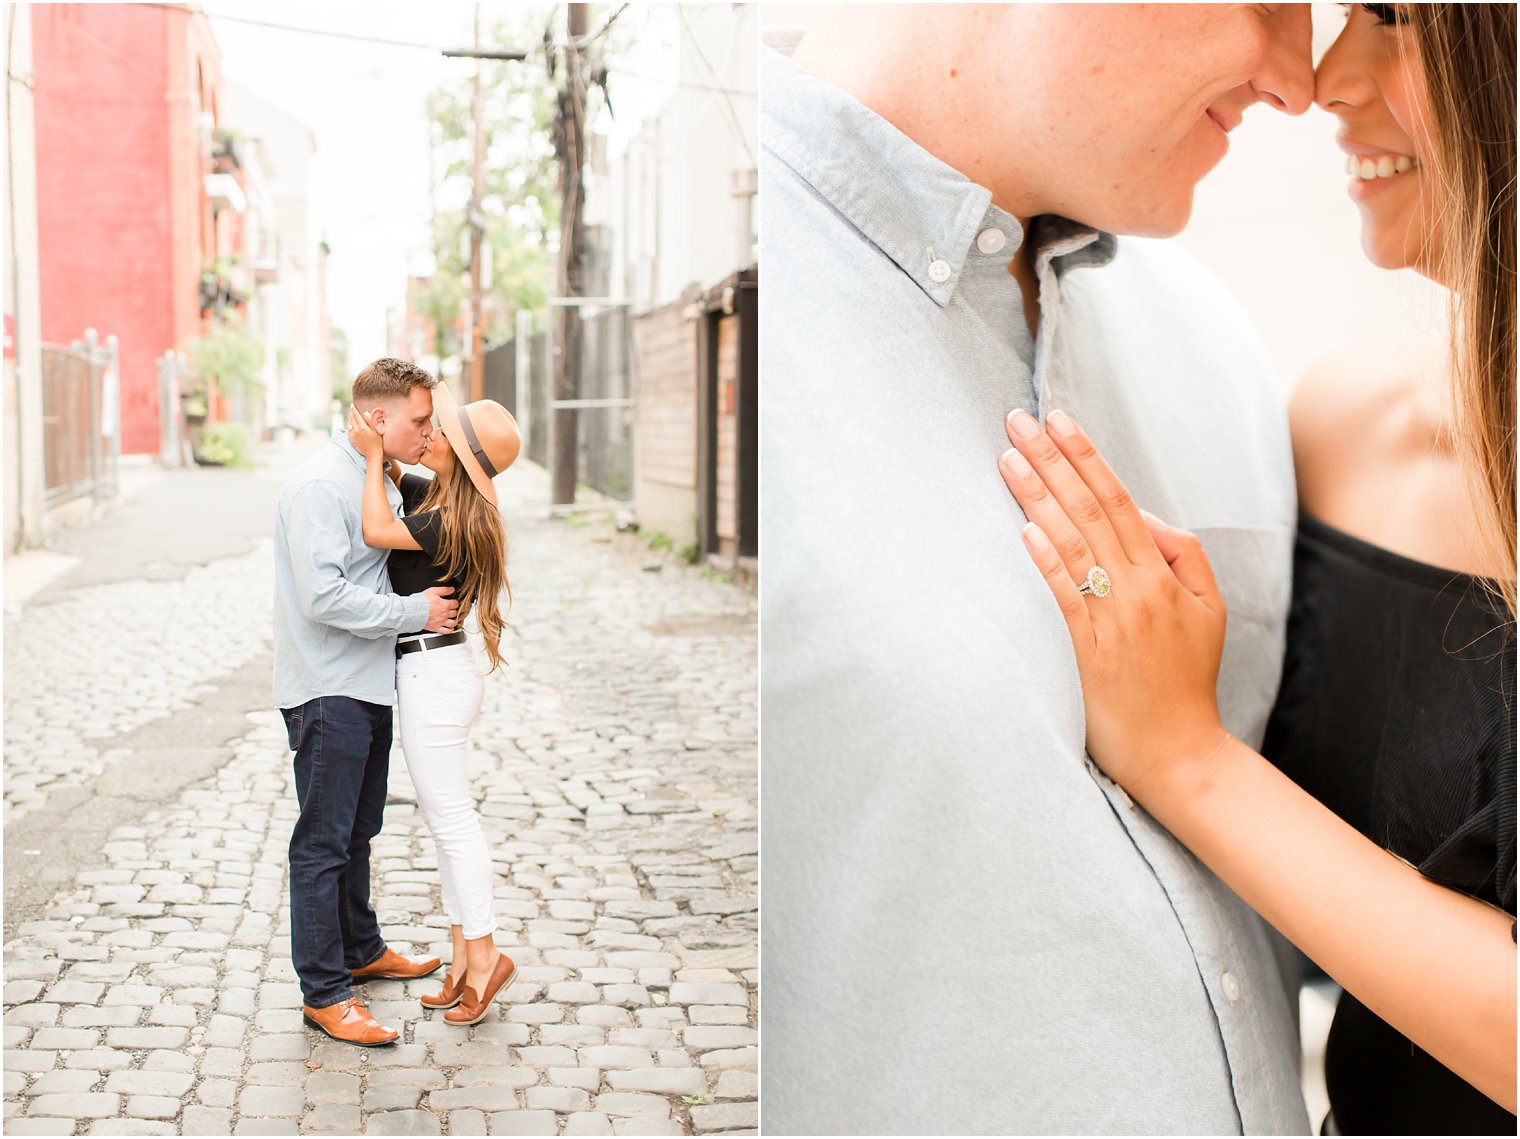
(1035, 538)
(1023, 424)
(1017, 465)
(1060, 423)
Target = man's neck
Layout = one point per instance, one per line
(920, 90)
(917, 93)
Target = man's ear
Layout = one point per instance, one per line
(377, 419)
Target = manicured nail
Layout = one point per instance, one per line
(1060, 423)
(1035, 538)
(1017, 465)
(1023, 424)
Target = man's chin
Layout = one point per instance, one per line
(1163, 219)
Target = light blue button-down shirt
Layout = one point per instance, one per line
(335, 615)
(968, 928)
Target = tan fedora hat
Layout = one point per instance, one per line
(483, 434)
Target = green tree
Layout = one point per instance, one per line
(342, 378)
(232, 356)
(520, 208)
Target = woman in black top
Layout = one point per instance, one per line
(1397, 711)
(1389, 856)
(451, 534)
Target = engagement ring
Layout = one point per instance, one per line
(1097, 583)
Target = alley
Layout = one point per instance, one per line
(149, 801)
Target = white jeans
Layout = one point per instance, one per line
(438, 693)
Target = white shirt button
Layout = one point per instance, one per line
(991, 240)
(1231, 987)
(939, 272)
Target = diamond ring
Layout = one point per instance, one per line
(1097, 583)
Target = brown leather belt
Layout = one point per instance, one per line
(436, 642)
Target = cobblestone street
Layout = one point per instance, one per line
(149, 801)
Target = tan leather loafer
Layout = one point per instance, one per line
(350, 1022)
(472, 1007)
(396, 967)
(447, 997)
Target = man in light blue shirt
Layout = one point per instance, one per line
(335, 622)
(967, 927)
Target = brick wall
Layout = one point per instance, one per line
(102, 191)
(665, 424)
(728, 435)
(121, 204)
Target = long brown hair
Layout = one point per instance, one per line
(1467, 54)
(472, 545)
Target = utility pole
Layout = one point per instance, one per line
(570, 140)
(476, 215)
(477, 223)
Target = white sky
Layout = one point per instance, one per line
(365, 104)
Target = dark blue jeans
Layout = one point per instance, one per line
(343, 750)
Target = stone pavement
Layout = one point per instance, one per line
(615, 767)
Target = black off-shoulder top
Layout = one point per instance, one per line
(413, 571)
(1397, 711)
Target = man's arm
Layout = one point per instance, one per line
(319, 551)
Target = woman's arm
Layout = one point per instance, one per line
(1435, 964)
(382, 529)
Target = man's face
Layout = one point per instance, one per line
(405, 426)
(1140, 98)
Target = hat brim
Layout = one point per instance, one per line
(448, 418)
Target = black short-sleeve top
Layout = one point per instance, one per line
(413, 571)
(1397, 711)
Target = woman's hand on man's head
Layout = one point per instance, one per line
(363, 436)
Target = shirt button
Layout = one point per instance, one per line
(991, 240)
(939, 272)
(1231, 987)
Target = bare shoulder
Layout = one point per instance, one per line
(1345, 405)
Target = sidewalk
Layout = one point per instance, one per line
(615, 767)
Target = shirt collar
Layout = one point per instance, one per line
(916, 209)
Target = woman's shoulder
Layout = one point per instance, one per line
(1350, 407)
(413, 489)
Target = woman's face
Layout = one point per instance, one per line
(1372, 80)
(439, 456)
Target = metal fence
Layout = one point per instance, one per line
(502, 364)
(80, 419)
(604, 435)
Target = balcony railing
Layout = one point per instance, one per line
(225, 193)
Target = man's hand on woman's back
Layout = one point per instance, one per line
(442, 610)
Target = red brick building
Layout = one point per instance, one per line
(128, 200)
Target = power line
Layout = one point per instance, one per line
(695, 86)
(604, 29)
(696, 46)
(743, 94)
(304, 31)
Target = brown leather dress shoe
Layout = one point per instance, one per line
(472, 1007)
(350, 1022)
(448, 996)
(394, 966)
